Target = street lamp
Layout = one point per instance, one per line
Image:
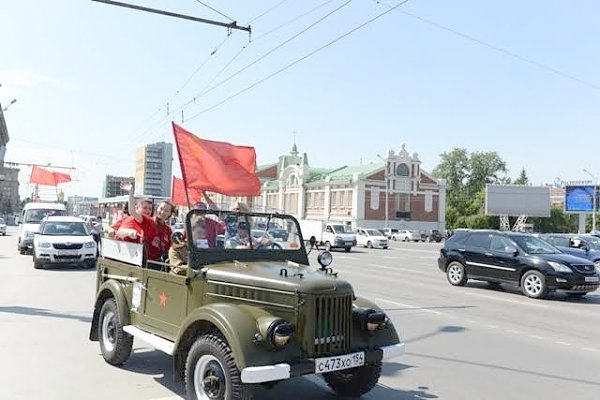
(386, 188)
(595, 182)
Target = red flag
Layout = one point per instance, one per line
(60, 177)
(42, 176)
(178, 193)
(216, 166)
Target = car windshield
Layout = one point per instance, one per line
(593, 242)
(534, 245)
(373, 232)
(36, 216)
(342, 228)
(65, 229)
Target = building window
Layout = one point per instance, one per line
(292, 181)
(374, 198)
(402, 170)
(428, 201)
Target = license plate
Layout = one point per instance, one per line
(67, 252)
(348, 243)
(592, 279)
(337, 363)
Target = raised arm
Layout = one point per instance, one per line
(131, 202)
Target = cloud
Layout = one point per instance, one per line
(15, 82)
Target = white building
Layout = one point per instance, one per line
(355, 195)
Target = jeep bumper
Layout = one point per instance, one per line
(277, 372)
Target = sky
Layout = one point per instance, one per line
(94, 81)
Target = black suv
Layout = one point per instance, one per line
(516, 258)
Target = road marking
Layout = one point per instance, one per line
(398, 269)
(590, 349)
(410, 306)
(563, 343)
(492, 326)
(513, 331)
(536, 337)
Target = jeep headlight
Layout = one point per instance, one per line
(558, 267)
(369, 319)
(44, 245)
(29, 234)
(325, 259)
(280, 333)
(89, 245)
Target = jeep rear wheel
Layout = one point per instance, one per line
(115, 343)
(533, 284)
(211, 373)
(354, 382)
(455, 272)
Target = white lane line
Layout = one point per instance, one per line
(420, 251)
(591, 349)
(399, 269)
(537, 337)
(563, 343)
(409, 306)
(513, 331)
(492, 326)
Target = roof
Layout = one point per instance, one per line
(44, 206)
(345, 172)
(63, 219)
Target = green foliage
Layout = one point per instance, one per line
(559, 221)
(523, 179)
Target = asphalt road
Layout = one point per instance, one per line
(473, 342)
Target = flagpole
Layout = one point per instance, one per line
(187, 195)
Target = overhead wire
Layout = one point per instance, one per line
(215, 10)
(308, 55)
(279, 46)
(499, 49)
(206, 91)
(267, 11)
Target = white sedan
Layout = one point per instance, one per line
(63, 240)
(371, 238)
(407, 236)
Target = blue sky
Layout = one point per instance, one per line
(90, 80)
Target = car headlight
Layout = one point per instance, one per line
(280, 333)
(29, 234)
(558, 267)
(44, 245)
(89, 245)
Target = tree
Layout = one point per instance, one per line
(523, 179)
(466, 176)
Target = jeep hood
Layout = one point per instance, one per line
(270, 275)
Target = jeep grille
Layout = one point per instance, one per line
(329, 332)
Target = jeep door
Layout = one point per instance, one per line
(475, 248)
(165, 301)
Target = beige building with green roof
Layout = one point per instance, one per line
(355, 195)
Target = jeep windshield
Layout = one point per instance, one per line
(228, 235)
(534, 245)
(36, 216)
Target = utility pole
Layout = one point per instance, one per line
(228, 25)
(594, 200)
(386, 177)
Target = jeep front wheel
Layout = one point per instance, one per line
(211, 373)
(115, 343)
(354, 382)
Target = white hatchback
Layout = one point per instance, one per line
(371, 238)
(63, 240)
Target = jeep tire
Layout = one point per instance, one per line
(115, 343)
(354, 382)
(211, 373)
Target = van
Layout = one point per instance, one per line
(389, 232)
(29, 222)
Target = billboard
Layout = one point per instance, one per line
(514, 200)
(580, 198)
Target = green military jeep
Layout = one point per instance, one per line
(247, 309)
